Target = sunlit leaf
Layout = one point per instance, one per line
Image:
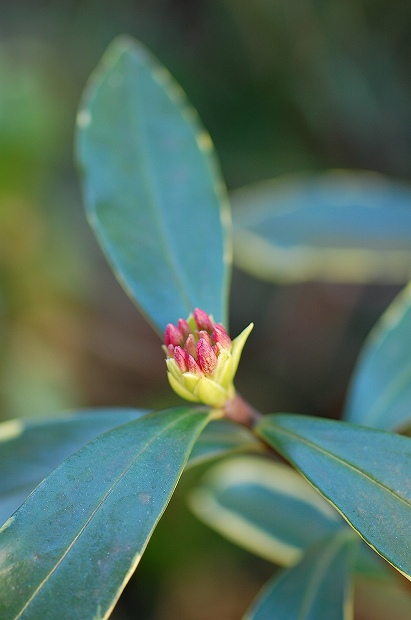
(153, 192)
(342, 226)
(318, 588)
(72, 546)
(363, 472)
(380, 394)
(31, 449)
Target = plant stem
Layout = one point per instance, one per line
(239, 411)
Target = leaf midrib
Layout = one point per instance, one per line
(97, 508)
(358, 470)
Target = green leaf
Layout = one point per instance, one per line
(31, 449)
(380, 393)
(221, 438)
(370, 565)
(318, 588)
(341, 226)
(363, 472)
(72, 546)
(265, 507)
(153, 191)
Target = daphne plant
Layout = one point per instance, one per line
(100, 481)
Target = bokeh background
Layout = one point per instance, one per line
(282, 86)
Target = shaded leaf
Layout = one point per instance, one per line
(363, 472)
(318, 588)
(153, 192)
(72, 546)
(342, 226)
(380, 393)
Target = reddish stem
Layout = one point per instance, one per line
(241, 412)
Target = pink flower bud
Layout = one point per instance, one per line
(205, 335)
(193, 367)
(184, 328)
(217, 348)
(220, 336)
(202, 320)
(202, 359)
(190, 345)
(181, 358)
(206, 357)
(172, 335)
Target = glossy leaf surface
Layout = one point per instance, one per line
(153, 192)
(265, 507)
(31, 449)
(342, 226)
(363, 472)
(74, 543)
(380, 394)
(221, 438)
(318, 588)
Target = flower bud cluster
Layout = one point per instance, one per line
(202, 359)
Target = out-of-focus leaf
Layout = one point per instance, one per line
(221, 438)
(318, 588)
(265, 507)
(271, 510)
(370, 565)
(363, 472)
(154, 195)
(31, 449)
(380, 394)
(72, 546)
(341, 226)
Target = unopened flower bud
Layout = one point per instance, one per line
(193, 366)
(205, 336)
(181, 357)
(173, 335)
(221, 337)
(190, 345)
(184, 328)
(206, 357)
(202, 320)
(202, 359)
